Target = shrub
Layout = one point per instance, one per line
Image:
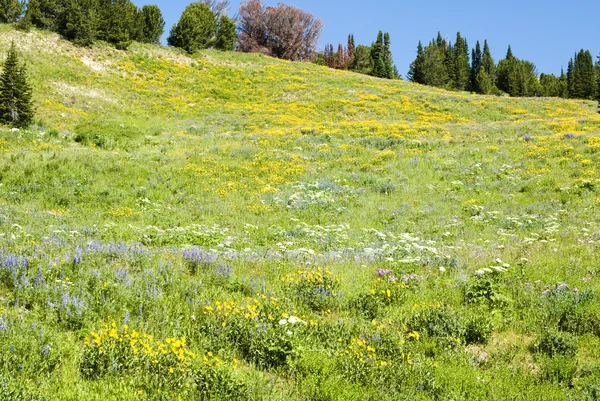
(316, 288)
(580, 320)
(478, 329)
(437, 321)
(555, 343)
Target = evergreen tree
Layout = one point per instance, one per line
(570, 78)
(483, 82)
(10, 10)
(597, 67)
(119, 21)
(378, 57)
(434, 69)
(563, 90)
(195, 30)
(415, 73)
(584, 77)
(45, 14)
(387, 57)
(487, 62)
(80, 21)
(15, 93)
(153, 24)
(509, 53)
(226, 34)
(461, 71)
(363, 62)
(475, 64)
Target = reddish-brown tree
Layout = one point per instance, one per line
(341, 59)
(283, 31)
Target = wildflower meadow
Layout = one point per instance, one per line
(235, 227)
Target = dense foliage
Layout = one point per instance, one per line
(83, 21)
(449, 66)
(373, 60)
(16, 106)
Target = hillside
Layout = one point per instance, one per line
(434, 245)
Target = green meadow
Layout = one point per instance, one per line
(234, 227)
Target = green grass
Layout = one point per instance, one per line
(435, 245)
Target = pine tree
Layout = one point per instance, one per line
(415, 73)
(509, 53)
(195, 30)
(563, 90)
(226, 34)
(387, 56)
(487, 62)
(584, 77)
(475, 64)
(483, 82)
(350, 51)
(570, 78)
(460, 64)
(16, 107)
(597, 68)
(10, 10)
(378, 57)
(80, 21)
(153, 24)
(45, 14)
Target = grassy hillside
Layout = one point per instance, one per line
(230, 226)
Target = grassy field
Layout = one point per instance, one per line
(230, 226)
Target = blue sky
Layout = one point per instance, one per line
(544, 32)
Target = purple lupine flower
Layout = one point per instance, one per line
(383, 272)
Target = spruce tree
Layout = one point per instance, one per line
(584, 77)
(570, 78)
(487, 62)
(563, 90)
(16, 107)
(378, 57)
(509, 53)
(387, 56)
(10, 10)
(475, 64)
(483, 82)
(415, 73)
(597, 68)
(226, 34)
(460, 66)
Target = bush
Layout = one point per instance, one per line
(580, 320)
(478, 329)
(556, 343)
(437, 322)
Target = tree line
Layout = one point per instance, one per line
(290, 33)
(375, 60)
(456, 67)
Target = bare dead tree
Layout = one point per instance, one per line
(219, 7)
(283, 31)
(252, 28)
